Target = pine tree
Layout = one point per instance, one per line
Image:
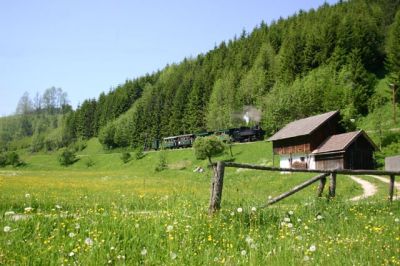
(393, 51)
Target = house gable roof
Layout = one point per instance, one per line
(340, 142)
(303, 126)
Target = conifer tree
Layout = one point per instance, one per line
(393, 51)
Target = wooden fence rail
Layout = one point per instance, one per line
(218, 180)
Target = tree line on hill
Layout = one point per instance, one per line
(316, 61)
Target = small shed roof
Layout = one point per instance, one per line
(340, 142)
(303, 126)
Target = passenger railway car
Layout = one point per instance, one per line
(242, 134)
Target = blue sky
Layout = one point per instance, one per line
(86, 47)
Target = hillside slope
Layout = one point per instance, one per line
(339, 57)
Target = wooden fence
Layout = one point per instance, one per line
(219, 170)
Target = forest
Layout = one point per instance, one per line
(338, 57)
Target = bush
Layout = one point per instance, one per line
(139, 154)
(162, 162)
(79, 145)
(89, 162)
(207, 147)
(106, 136)
(125, 157)
(67, 157)
(13, 159)
(3, 160)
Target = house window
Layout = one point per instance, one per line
(302, 159)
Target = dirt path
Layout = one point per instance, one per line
(386, 180)
(369, 188)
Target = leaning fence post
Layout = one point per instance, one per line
(216, 188)
(391, 187)
(321, 186)
(332, 185)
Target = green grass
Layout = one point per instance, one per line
(111, 213)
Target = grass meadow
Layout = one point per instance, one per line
(108, 212)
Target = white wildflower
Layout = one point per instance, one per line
(253, 209)
(397, 220)
(269, 236)
(136, 225)
(290, 225)
(249, 240)
(313, 248)
(9, 213)
(269, 197)
(243, 252)
(77, 226)
(299, 237)
(112, 248)
(253, 246)
(319, 217)
(28, 209)
(172, 255)
(232, 213)
(71, 235)
(286, 219)
(143, 252)
(27, 195)
(71, 254)
(239, 210)
(290, 212)
(299, 220)
(88, 241)
(306, 258)
(6, 229)
(170, 228)
(58, 207)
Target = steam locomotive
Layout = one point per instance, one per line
(241, 134)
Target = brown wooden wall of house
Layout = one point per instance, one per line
(293, 145)
(308, 143)
(330, 161)
(359, 155)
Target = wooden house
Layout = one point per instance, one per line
(352, 150)
(316, 142)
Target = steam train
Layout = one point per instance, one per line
(241, 134)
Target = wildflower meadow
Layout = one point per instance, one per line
(136, 216)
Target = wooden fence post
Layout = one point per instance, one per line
(391, 187)
(217, 184)
(332, 185)
(321, 186)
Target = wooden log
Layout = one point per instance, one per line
(391, 188)
(216, 188)
(321, 186)
(332, 185)
(337, 171)
(296, 189)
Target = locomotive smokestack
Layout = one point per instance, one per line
(246, 118)
(251, 113)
